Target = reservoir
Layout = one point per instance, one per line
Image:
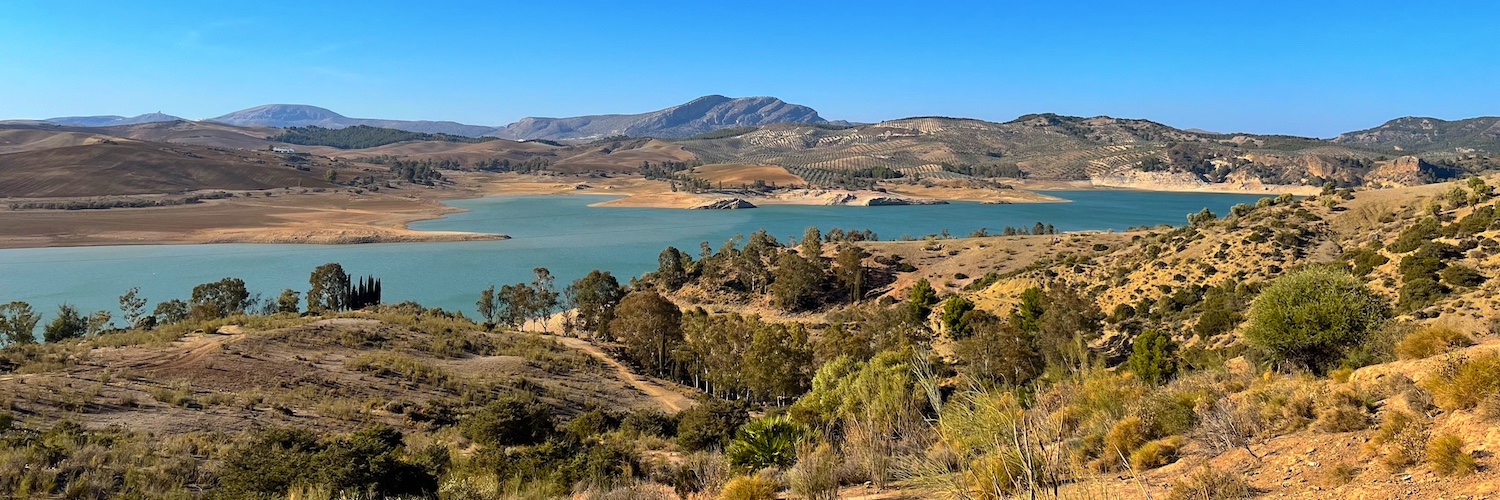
(561, 233)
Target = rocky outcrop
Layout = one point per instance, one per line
(725, 204)
(892, 200)
(1403, 171)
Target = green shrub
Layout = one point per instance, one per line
(1153, 358)
(710, 424)
(1430, 341)
(1463, 383)
(371, 461)
(1313, 318)
(1465, 276)
(509, 421)
(1448, 458)
(1415, 235)
(649, 422)
(768, 442)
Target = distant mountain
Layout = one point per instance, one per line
(704, 114)
(1425, 134)
(298, 115)
(111, 120)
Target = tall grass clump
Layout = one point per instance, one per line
(1464, 383)
(1431, 341)
(1448, 458)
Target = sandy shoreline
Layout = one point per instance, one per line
(346, 217)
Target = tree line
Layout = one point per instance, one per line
(330, 290)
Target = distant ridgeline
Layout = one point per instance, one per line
(361, 136)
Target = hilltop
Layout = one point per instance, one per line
(298, 115)
(701, 115)
(112, 120)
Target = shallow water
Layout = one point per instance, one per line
(560, 233)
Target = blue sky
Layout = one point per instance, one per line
(1265, 67)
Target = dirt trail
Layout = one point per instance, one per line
(669, 399)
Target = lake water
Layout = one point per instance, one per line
(560, 233)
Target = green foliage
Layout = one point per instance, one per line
(1153, 358)
(510, 421)
(998, 352)
(1364, 260)
(880, 392)
(650, 326)
(67, 325)
(171, 311)
(329, 290)
(649, 422)
(767, 442)
(18, 324)
(595, 297)
(710, 424)
(920, 300)
(1312, 318)
(953, 317)
(220, 299)
(371, 461)
(1415, 235)
(1461, 276)
(798, 283)
(1065, 328)
(361, 137)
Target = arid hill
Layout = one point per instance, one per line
(127, 167)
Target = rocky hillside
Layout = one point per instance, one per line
(1106, 151)
(297, 115)
(701, 115)
(1473, 135)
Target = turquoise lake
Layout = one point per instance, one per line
(560, 233)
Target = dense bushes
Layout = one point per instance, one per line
(513, 420)
(372, 461)
(1313, 318)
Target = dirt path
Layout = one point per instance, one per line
(670, 400)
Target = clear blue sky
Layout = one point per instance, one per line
(1267, 66)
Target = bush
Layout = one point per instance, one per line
(649, 422)
(1342, 410)
(1448, 457)
(368, 461)
(757, 487)
(1400, 440)
(1338, 474)
(1430, 341)
(1208, 483)
(1153, 358)
(1123, 438)
(510, 421)
(1156, 453)
(710, 424)
(1313, 318)
(1457, 275)
(1463, 383)
(815, 477)
(768, 442)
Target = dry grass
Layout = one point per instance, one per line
(1208, 483)
(1157, 453)
(1337, 474)
(1401, 440)
(1430, 341)
(757, 487)
(1448, 458)
(1463, 383)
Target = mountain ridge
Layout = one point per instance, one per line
(112, 120)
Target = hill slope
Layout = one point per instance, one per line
(298, 115)
(704, 114)
(112, 120)
(1412, 133)
(126, 167)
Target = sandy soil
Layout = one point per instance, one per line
(317, 218)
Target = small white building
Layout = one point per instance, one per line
(283, 150)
